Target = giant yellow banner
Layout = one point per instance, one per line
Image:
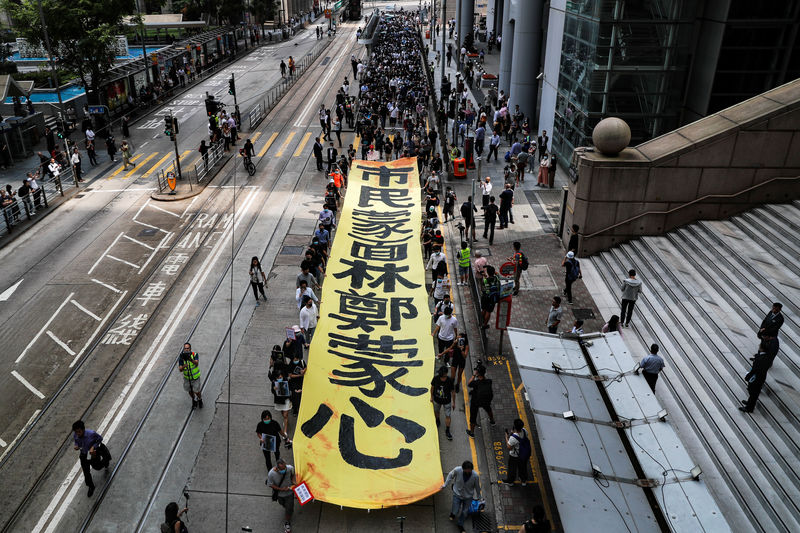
(367, 436)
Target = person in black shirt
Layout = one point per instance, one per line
(480, 397)
(297, 369)
(269, 427)
(573, 240)
(538, 522)
(490, 219)
(438, 239)
(443, 395)
(459, 350)
(467, 211)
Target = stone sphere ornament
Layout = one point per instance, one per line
(611, 136)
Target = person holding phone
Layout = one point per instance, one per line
(189, 365)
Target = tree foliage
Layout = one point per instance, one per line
(82, 32)
(264, 10)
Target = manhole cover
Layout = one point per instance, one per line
(79, 195)
(291, 250)
(482, 522)
(485, 252)
(149, 232)
(537, 277)
(583, 313)
(325, 61)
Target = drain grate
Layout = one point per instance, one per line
(325, 61)
(149, 232)
(291, 250)
(79, 195)
(583, 313)
(483, 523)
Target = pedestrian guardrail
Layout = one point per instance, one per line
(271, 98)
(206, 168)
(18, 209)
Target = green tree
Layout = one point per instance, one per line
(82, 33)
(264, 10)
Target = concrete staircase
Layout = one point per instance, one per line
(707, 287)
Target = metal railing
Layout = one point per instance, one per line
(687, 204)
(271, 98)
(50, 187)
(206, 168)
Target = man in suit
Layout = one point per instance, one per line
(542, 142)
(762, 362)
(771, 323)
(332, 155)
(318, 152)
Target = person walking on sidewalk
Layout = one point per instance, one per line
(468, 211)
(126, 155)
(519, 453)
(443, 394)
(755, 379)
(520, 264)
(651, 366)
(76, 163)
(93, 453)
(188, 364)
(490, 219)
(464, 263)
(257, 279)
(494, 146)
(772, 323)
(480, 397)
(466, 487)
(631, 288)
(433, 262)
(317, 149)
(446, 330)
(450, 200)
(486, 192)
(281, 480)
(172, 519)
(308, 319)
(506, 201)
(267, 430)
(554, 315)
(572, 272)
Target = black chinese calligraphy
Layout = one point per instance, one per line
(367, 311)
(389, 275)
(385, 174)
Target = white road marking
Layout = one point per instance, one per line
(97, 330)
(3, 443)
(30, 421)
(154, 206)
(9, 291)
(123, 402)
(60, 342)
(139, 242)
(106, 285)
(44, 328)
(161, 244)
(122, 261)
(144, 144)
(150, 226)
(104, 253)
(27, 384)
(321, 85)
(82, 308)
(188, 207)
(132, 189)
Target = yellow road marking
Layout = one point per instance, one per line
(144, 162)
(269, 143)
(302, 144)
(286, 143)
(154, 167)
(120, 169)
(255, 136)
(183, 156)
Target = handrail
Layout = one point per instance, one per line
(696, 200)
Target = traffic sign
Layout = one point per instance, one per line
(171, 180)
(97, 110)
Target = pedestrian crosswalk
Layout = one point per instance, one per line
(291, 142)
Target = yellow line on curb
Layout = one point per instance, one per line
(154, 167)
(144, 162)
(286, 143)
(302, 144)
(269, 143)
(255, 137)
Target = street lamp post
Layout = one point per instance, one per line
(144, 48)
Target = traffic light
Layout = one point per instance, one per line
(231, 87)
(168, 129)
(211, 106)
(60, 133)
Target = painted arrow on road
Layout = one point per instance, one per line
(9, 291)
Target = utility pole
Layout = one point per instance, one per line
(171, 130)
(232, 92)
(144, 48)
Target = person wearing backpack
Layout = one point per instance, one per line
(519, 453)
(520, 264)
(572, 272)
(172, 519)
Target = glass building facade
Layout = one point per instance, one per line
(646, 61)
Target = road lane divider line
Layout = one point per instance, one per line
(107, 250)
(160, 245)
(3, 443)
(107, 286)
(122, 261)
(139, 242)
(254, 137)
(61, 502)
(44, 328)
(27, 384)
(269, 143)
(188, 207)
(167, 211)
(142, 162)
(82, 308)
(285, 144)
(302, 144)
(333, 68)
(154, 167)
(60, 343)
(97, 329)
(30, 421)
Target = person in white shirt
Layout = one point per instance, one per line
(486, 188)
(304, 290)
(89, 134)
(436, 257)
(308, 320)
(440, 289)
(55, 168)
(446, 329)
(76, 163)
(577, 328)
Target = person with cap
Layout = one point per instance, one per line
(651, 366)
(572, 272)
(446, 329)
(443, 394)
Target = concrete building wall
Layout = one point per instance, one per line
(695, 172)
(552, 64)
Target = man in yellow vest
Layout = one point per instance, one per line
(188, 363)
(463, 263)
